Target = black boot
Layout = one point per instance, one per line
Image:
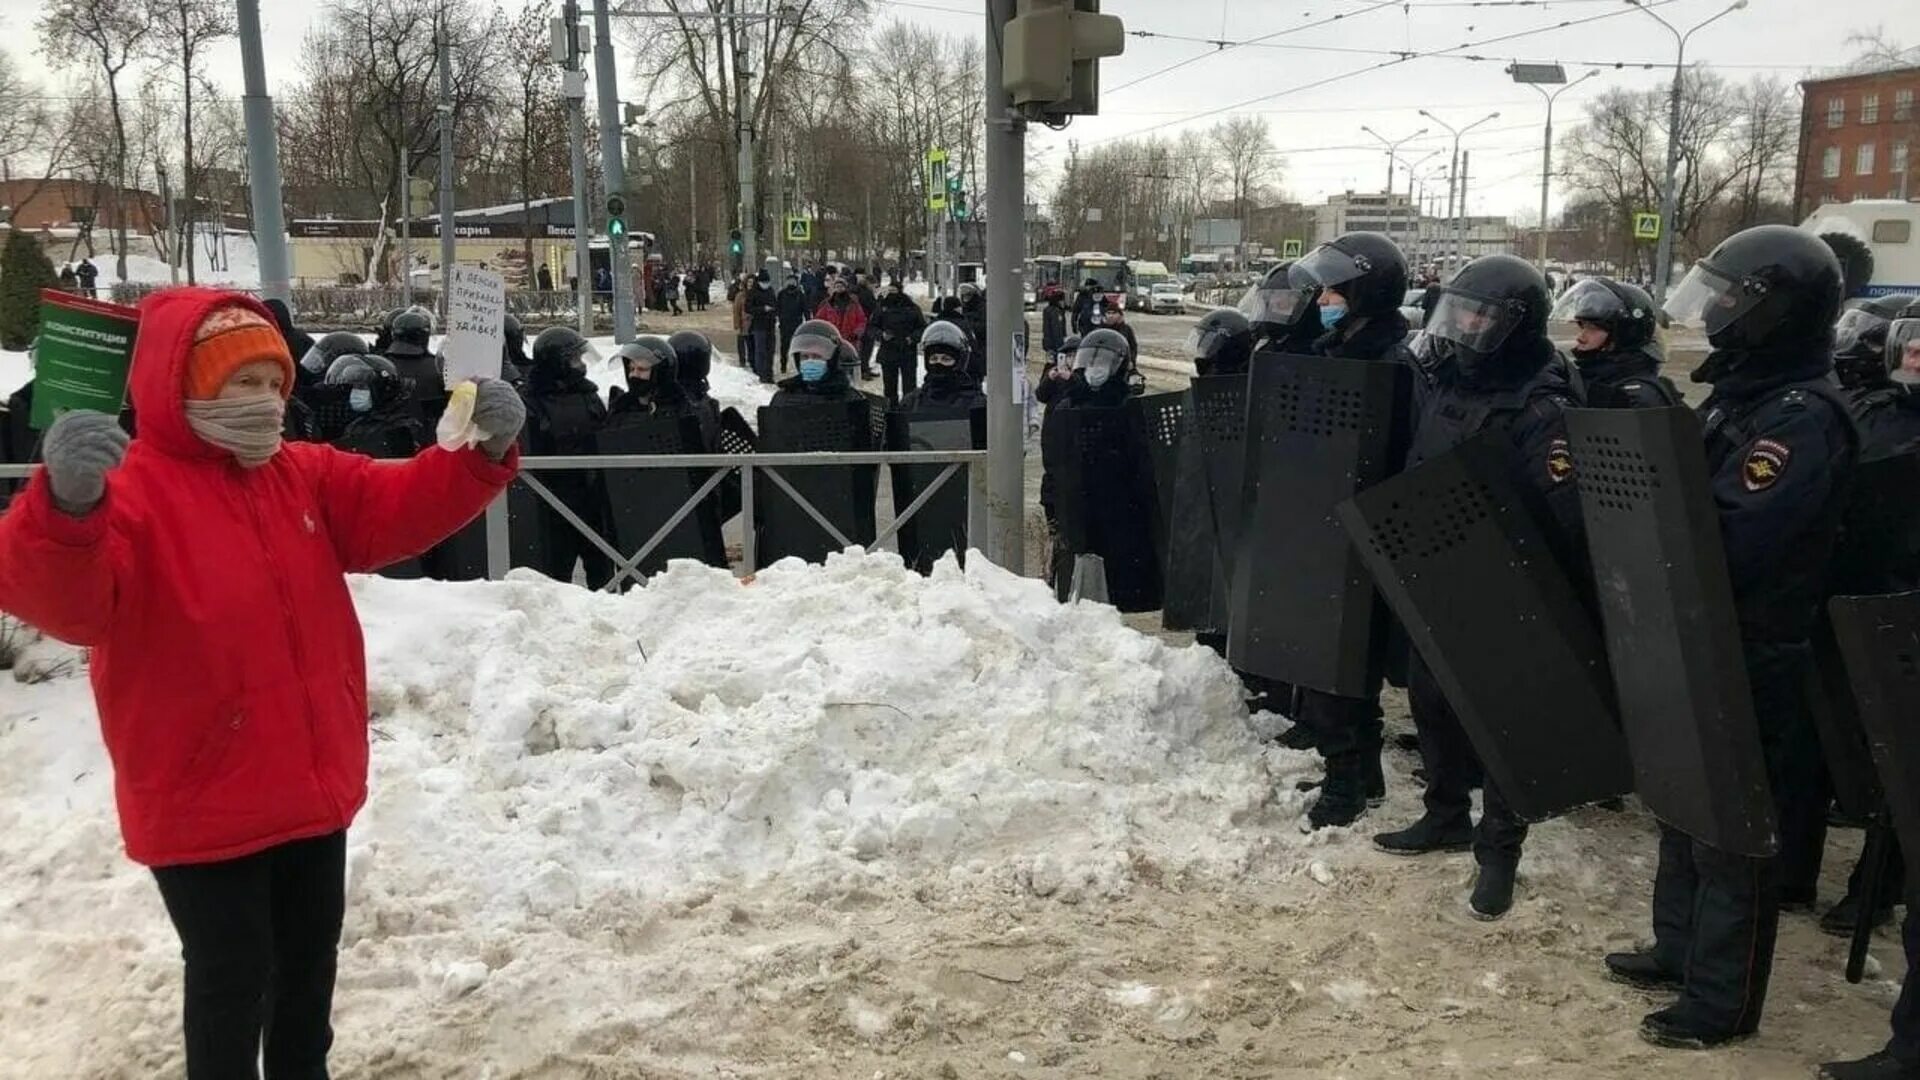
(1376, 777)
(1675, 1030)
(1876, 1066)
(1298, 737)
(1343, 796)
(1640, 969)
(1492, 892)
(1427, 836)
(1841, 917)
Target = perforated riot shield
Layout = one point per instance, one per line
(1879, 637)
(1103, 495)
(641, 501)
(736, 437)
(1219, 404)
(1878, 547)
(842, 494)
(940, 525)
(526, 528)
(1667, 605)
(1186, 548)
(1465, 565)
(1319, 429)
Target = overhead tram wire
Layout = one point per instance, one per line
(1220, 47)
(1317, 83)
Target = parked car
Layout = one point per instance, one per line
(1166, 297)
(1410, 307)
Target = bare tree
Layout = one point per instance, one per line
(183, 31)
(24, 117)
(538, 116)
(111, 33)
(1247, 159)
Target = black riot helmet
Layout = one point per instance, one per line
(516, 338)
(1624, 311)
(1768, 285)
(648, 362)
(559, 348)
(693, 358)
(1102, 356)
(1221, 343)
(1277, 303)
(1365, 267)
(1495, 304)
(1860, 339)
(330, 348)
(412, 333)
(383, 334)
(943, 343)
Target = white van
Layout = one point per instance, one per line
(1890, 229)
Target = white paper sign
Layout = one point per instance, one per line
(476, 325)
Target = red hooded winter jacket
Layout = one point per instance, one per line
(227, 666)
(851, 321)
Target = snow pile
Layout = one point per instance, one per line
(736, 387)
(833, 727)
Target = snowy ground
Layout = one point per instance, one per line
(844, 821)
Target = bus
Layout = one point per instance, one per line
(1108, 272)
(1041, 271)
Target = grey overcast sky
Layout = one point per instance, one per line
(1316, 74)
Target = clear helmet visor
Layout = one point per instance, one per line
(1709, 300)
(1205, 341)
(1100, 360)
(1855, 326)
(1277, 306)
(813, 347)
(1477, 325)
(1327, 267)
(1903, 351)
(1588, 301)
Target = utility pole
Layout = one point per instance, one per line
(743, 130)
(613, 168)
(574, 86)
(1006, 144)
(406, 211)
(263, 159)
(1460, 228)
(693, 209)
(446, 170)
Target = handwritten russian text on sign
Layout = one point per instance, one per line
(476, 325)
(82, 356)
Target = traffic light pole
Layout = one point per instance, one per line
(577, 144)
(612, 168)
(446, 171)
(1006, 139)
(263, 158)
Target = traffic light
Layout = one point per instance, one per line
(958, 200)
(1050, 59)
(735, 245)
(616, 214)
(953, 184)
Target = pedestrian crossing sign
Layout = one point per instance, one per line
(799, 230)
(1290, 249)
(1646, 226)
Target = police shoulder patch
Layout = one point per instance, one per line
(1765, 464)
(1559, 461)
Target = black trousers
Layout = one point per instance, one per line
(899, 374)
(260, 936)
(786, 344)
(1341, 725)
(1905, 1044)
(566, 545)
(1716, 914)
(1453, 768)
(763, 352)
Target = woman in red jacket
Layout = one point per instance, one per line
(205, 565)
(843, 310)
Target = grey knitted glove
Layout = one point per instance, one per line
(79, 449)
(498, 411)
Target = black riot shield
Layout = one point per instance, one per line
(462, 556)
(641, 501)
(1878, 546)
(1667, 605)
(940, 525)
(1187, 552)
(526, 527)
(1319, 429)
(736, 437)
(843, 494)
(1104, 497)
(1879, 637)
(1465, 566)
(1219, 404)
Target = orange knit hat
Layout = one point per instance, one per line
(228, 339)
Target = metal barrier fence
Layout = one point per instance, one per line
(750, 466)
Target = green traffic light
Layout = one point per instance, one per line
(616, 227)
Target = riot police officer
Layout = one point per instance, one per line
(412, 354)
(1489, 368)
(1221, 343)
(380, 422)
(331, 347)
(1618, 349)
(693, 362)
(1860, 342)
(1780, 448)
(653, 388)
(1358, 280)
(514, 361)
(1278, 311)
(950, 382)
(564, 418)
(1097, 379)
(819, 355)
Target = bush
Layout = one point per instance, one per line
(24, 271)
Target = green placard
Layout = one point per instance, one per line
(82, 356)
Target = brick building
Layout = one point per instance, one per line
(60, 203)
(1858, 135)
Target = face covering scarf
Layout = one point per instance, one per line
(248, 427)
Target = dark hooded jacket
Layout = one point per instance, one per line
(1626, 379)
(897, 324)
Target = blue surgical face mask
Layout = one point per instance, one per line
(360, 399)
(1330, 315)
(813, 370)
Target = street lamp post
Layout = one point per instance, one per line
(1669, 196)
(1393, 147)
(1414, 232)
(1453, 173)
(1537, 76)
